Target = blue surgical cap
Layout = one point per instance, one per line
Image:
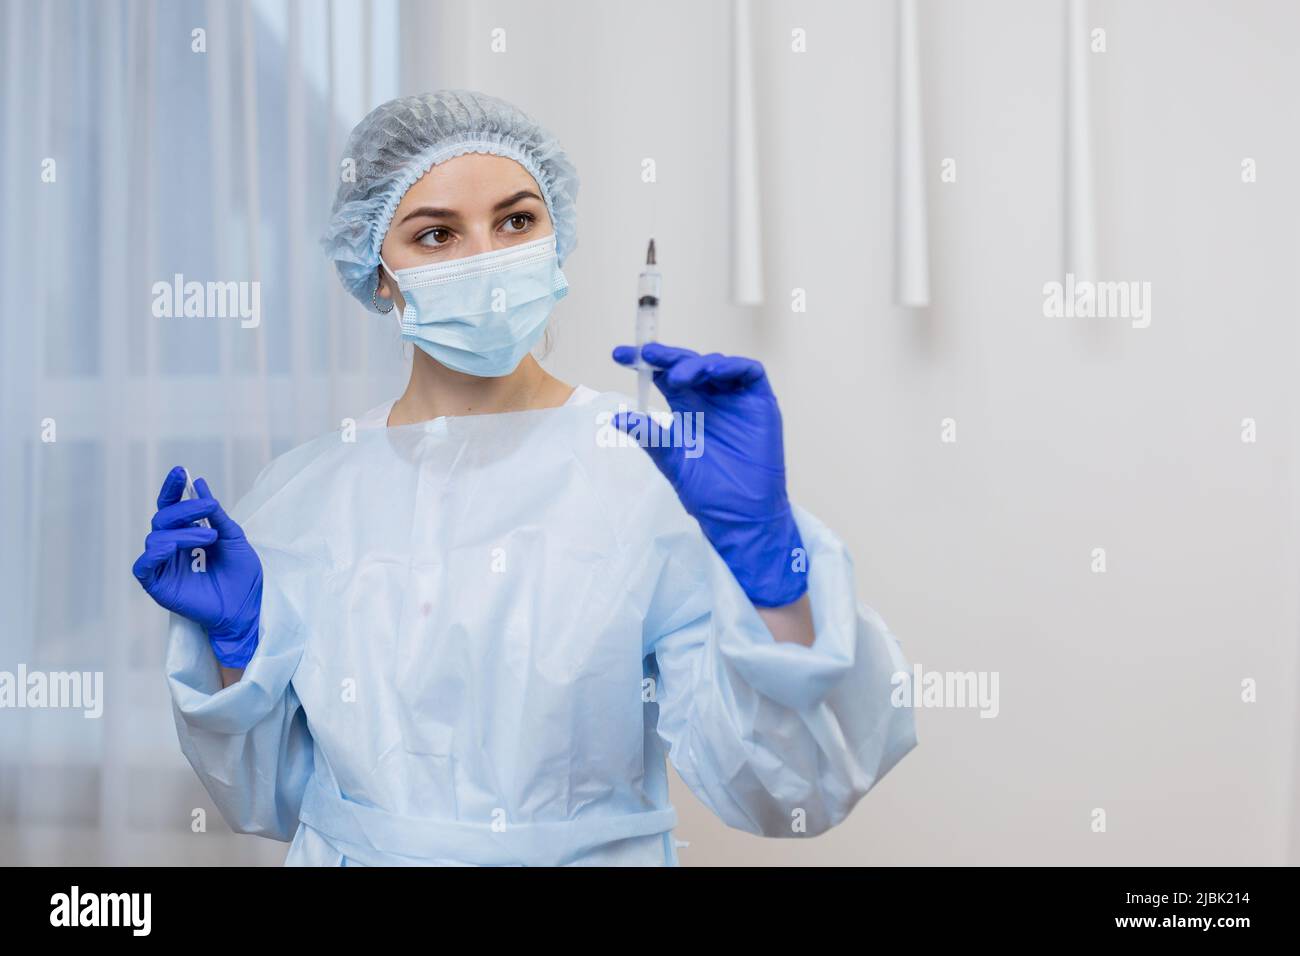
(401, 140)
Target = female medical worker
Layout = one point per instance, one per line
(466, 630)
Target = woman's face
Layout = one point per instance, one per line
(471, 204)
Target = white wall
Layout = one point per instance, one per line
(1121, 690)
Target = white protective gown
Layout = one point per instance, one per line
(479, 637)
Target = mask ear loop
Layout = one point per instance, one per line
(374, 294)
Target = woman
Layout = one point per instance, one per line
(465, 631)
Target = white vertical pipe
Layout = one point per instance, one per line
(122, 199)
(295, 176)
(746, 240)
(912, 257)
(220, 135)
(363, 331)
(1080, 236)
(253, 223)
(34, 750)
(334, 290)
(20, 410)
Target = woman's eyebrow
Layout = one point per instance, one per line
(435, 212)
(432, 211)
(522, 194)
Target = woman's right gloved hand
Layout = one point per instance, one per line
(225, 596)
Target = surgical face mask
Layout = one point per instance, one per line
(482, 314)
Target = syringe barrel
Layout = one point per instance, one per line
(649, 284)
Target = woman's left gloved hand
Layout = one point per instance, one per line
(726, 463)
(223, 595)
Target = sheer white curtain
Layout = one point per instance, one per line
(143, 141)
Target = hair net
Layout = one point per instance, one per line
(401, 140)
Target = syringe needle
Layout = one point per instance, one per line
(647, 321)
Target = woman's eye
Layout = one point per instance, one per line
(519, 222)
(434, 237)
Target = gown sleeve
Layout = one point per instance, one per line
(249, 743)
(776, 738)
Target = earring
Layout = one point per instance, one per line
(374, 299)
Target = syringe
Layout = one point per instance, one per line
(189, 492)
(647, 325)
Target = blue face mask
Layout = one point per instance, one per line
(482, 314)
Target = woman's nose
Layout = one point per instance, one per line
(481, 241)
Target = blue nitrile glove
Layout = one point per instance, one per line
(733, 481)
(226, 597)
